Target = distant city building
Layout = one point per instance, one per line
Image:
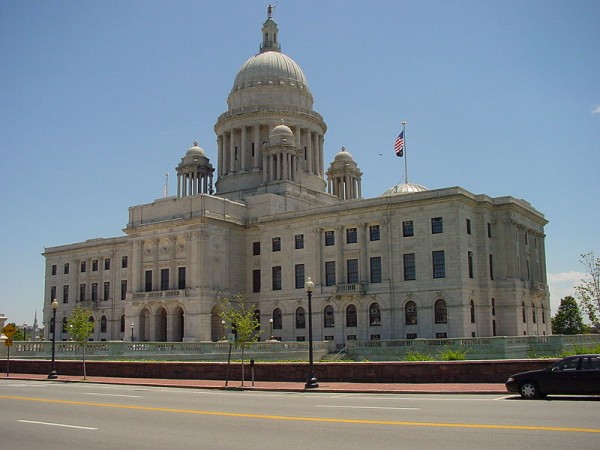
(411, 263)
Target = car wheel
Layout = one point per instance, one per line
(529, 389)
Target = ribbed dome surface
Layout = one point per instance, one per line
(405, 188)
(269, 68)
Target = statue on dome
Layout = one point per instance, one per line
(270, 10)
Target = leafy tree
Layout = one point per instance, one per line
(238, 312)
(589, 288)
(568, 319)
(80, 328)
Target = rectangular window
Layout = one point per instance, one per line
(124, 262)
(493, 306)
(489, 230)
(439, 264)
(106, 291)
(375, 337)
(300, 338)
(53, 269)
(411, 335)
(376, 269)
(299, 241)
(256, 248)
(66, 269)
(164, 279)
(94, 292)
(276, 244)
(437, 225)
(329, 273)
(441, 335)
(66, 293)
(82, 292)
(95, 265)
(181, 278)
(83, 266)
(491, 258)
(256, 280)
(352, 337)
(470, 263)
(408, 228)
(468, 226)
(276, 278)
(351, 236)
(107, 264)
(410, 268)
(123, 289)
(352, 271)
(148, 281)
(374, 233)
(299, 276)
(329, 238)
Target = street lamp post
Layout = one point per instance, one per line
(222, 330)
(311, 382)
(132, 325)
(53, 375)
(271, 329)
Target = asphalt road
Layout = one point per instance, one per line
(38, 414)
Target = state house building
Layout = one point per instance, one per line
(410, 263)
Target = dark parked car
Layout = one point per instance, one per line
(572, 375)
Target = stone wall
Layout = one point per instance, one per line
(371, 372)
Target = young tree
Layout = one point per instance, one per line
(239, 314)
(568, 319)
(589, 288)
(80, 328)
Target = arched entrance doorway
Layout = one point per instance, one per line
(178, 325)
(161, 325)
(217, 328)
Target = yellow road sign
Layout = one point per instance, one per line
(8, 342)
(9, 330)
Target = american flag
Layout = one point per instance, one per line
(399, 145)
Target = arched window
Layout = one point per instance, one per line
(410, 313)
(300, 318)
(65, 324)
(441, 311)
(543, 314)
(328, 320)
(103, 324)
(533, 313)
(351, 316)
(123, 323)
(277, 320)
(91, 320)
(374, 314)
(472, 311)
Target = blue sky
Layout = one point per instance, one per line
(100, 99)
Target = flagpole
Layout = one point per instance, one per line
(405, 154)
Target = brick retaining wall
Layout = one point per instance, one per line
(381, 372)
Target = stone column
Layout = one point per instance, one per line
(243, 150)
(232, 151)
(257, 146)
(220, 160)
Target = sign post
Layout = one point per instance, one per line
(9, 331)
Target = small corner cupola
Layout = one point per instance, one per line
(194, 173)
(269, 33)
(344, 177)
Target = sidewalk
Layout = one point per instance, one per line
(331, 387)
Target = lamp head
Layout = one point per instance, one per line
(54, 305)
(309, 285)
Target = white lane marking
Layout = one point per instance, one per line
(112, 395)
(56, 424)
(362, 407)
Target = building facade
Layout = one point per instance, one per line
(411, 263)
